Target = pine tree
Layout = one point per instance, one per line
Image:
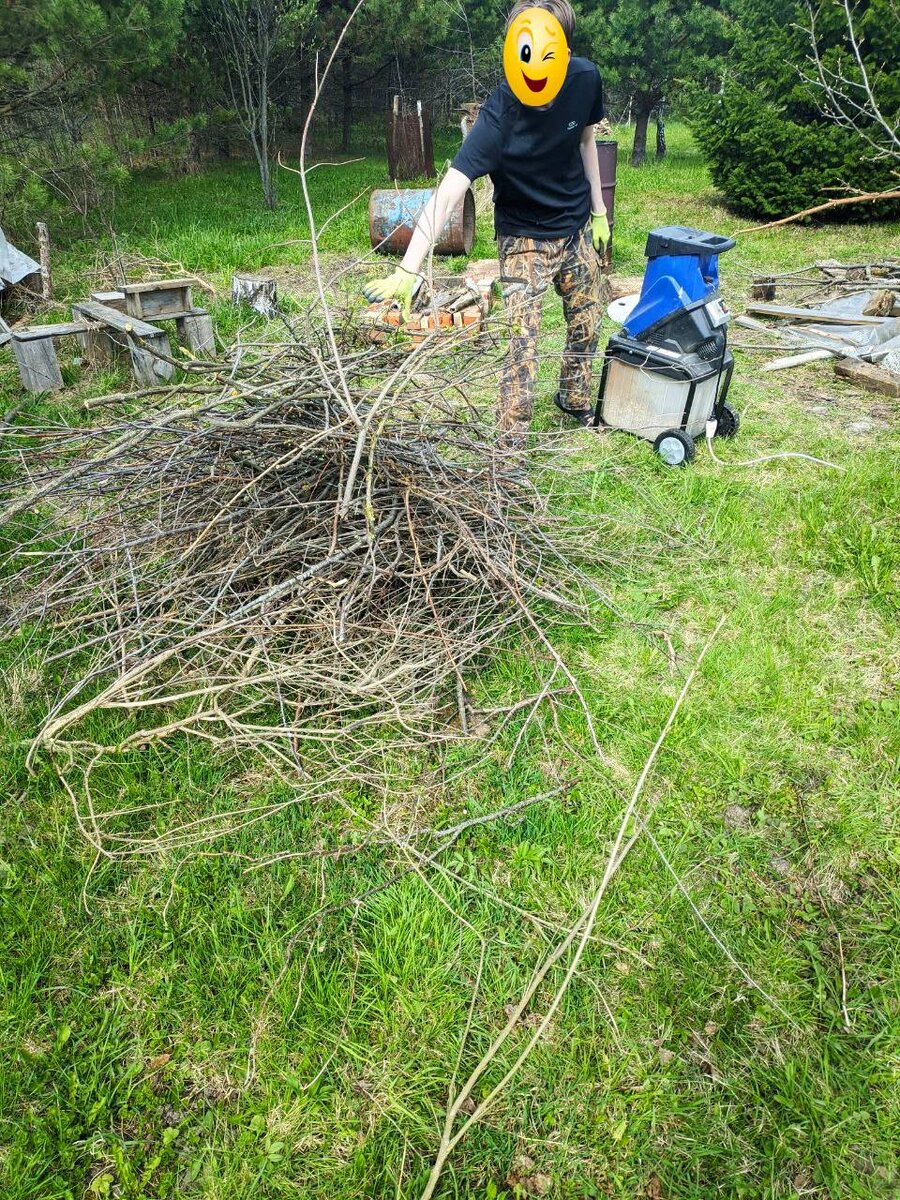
(772, 149)
(649, 51)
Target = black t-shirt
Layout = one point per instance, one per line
(533, 156)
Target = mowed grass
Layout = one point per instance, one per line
(132, 995)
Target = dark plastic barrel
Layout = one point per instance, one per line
(393, 213)
(607, 158)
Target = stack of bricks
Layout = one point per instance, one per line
(451, 314)
(384, 320)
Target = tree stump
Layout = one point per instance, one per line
(257, 291)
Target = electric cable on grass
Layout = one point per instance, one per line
(712, 425)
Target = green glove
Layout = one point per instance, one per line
(600, 231)
(402, 286)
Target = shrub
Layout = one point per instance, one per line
(770, 148)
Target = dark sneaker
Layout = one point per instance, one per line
(584, 416)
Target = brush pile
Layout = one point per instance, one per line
(298, 556)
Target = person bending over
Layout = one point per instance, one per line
(534, 136)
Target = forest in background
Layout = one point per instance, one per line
(789, 103)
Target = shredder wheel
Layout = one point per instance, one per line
(675, 447)
(729, 422)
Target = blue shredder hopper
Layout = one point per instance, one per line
(669, 370)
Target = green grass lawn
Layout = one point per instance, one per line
(132, 994)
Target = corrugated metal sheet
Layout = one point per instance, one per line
(14, 265)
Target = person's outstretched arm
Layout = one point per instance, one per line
(599, 219)
(402, 284)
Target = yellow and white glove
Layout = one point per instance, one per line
(600, 231)
(401, 286)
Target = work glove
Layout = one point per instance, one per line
(402, 286)
(600, 231)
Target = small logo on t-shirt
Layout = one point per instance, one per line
(572, 125)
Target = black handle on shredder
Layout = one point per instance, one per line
(673, 240)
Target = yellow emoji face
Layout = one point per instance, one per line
(535, 57)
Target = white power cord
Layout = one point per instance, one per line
(712, 425)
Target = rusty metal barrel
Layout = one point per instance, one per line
(607, 158)
(393, 213)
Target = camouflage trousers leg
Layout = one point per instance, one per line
(527, 268)
(579, 281)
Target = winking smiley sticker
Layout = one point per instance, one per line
(535, 57)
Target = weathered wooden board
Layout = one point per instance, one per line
(38, 364)
(155, 285)
(121, 322)
(166, 298)
(196, 329)
(821, 316)
(36, 333)
(114, 300)
(869, 377)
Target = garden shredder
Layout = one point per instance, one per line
(669, 371)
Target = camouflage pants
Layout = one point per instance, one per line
(528, 266)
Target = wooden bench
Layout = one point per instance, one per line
(162, 298)
(140, 338)
(169, 300)
(35, 351)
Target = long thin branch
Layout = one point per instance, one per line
(583, 926)
(865, 198)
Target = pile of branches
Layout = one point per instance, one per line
(294, 555)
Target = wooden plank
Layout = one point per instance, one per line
(868, 377)
(36, 333)
(819, 315)
(38, 364)
(121, 322)
(176, 316)
(114, 300)
(158, 285)
(158, 303)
